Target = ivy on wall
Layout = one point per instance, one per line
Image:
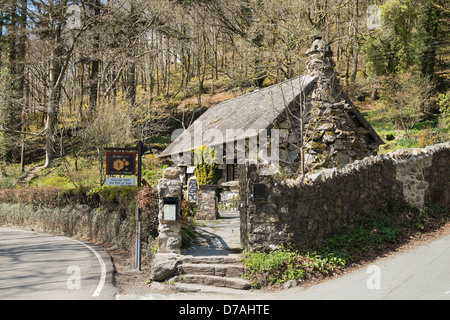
(207, 170)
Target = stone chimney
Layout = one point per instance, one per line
(333, 135)
(320, 64)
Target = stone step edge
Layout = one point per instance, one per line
(210, 259)
(199, 288)
(221, 270)
(234, 283)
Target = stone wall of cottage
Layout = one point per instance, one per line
(306, 211)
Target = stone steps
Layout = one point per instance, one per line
(223, 272)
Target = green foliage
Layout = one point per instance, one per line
(390, 50)
(115, 197)
(283, 264)
(409, 38)
(408, 143)
(404, 98)
(10, 175)
(56, 181)
(277, 266)
(10, 110)
(207, 170)
(153, 175)
(424, 133)
(374, 232)
(429, 33)
(444, 107)
(187, 235)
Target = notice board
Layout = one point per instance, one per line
(192, 190)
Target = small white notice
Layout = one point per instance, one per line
(170, 212)
(120, 181)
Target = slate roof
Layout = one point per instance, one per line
(250, 112)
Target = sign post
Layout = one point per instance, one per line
(141, 149)
(124, 163)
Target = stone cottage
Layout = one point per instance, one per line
(314, 121)
(321, 134)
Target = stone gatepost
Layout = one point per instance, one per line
(164, 264)
(170, 193)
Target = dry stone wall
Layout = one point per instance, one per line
(306, 211)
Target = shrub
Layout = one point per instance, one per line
(114, 198)
(427, 138)
(148, 202)
(207, 171)
(444, 107)
(408, 143)
(404, 97)
(282, 264)
(375, 232)
(187, 234)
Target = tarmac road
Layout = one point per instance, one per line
(36, 266)
(421, 273)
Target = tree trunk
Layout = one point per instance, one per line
(52, 111)
(131, 84)
(55, 78)
(95, 63)
(354, 66)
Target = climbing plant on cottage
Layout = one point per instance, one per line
(207, 170)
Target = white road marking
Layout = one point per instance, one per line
(103, 270)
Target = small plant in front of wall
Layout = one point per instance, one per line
(207, 170)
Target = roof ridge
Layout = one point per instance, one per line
(262, 89)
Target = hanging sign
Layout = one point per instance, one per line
(192, 190)
(120, 163)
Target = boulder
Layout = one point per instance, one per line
(163, 266)
(171, 173)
